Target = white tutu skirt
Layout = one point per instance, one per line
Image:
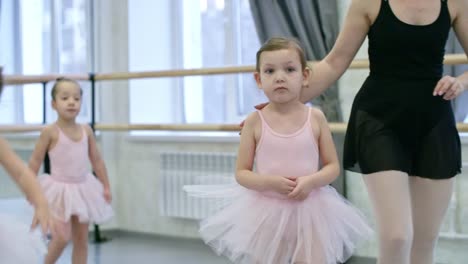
(271, 229)
(84, 199)
(19, 245)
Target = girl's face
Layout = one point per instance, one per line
(281, 76)
(67, 100)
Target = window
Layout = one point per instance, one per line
(192, 34)
(42, 36)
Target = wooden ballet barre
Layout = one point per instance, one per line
(334, 127)
(34, 79)
(462, 127)
(170, 127)
(355, 64)
(174, 73)
(20, 128)
(450, 59)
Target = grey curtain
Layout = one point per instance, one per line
(460, 104)
(314, 23)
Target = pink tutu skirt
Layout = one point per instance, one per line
(84, 199)
(269, 228)
(19, 245)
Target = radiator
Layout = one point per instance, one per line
(189, 168)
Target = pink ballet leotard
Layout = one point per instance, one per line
(70, 188)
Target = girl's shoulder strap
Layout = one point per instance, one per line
(56, 127)
(313, 119)
(56, 136)
(264, 123)
(83, 127)
(309, 114)
(259, 111)
(84, 131)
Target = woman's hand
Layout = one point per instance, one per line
(43, 217)
(261, 106)
(449, 87)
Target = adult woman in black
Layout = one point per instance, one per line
(401, 133)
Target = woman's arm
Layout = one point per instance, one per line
(27, 182)
(450, 87)
(350, 39)
(460, 27)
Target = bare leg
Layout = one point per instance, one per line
(80, 241)
(430, 200)
(390, 197)
(59, 242)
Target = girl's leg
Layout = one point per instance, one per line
(59, 242)
(80, 241)
(390, 197)
(429, 200)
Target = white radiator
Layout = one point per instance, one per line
(190, 168)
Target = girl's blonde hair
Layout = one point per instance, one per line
(279, 43)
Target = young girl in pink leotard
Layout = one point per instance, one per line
(284, 210)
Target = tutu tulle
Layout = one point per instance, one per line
(268, 228)
(19, 245)
(84, 199)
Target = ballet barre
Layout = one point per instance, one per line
(450, 59)
(334, 127)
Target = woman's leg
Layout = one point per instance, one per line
(59, 242)
(80, 241)
(390, 197)
(429, 200)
